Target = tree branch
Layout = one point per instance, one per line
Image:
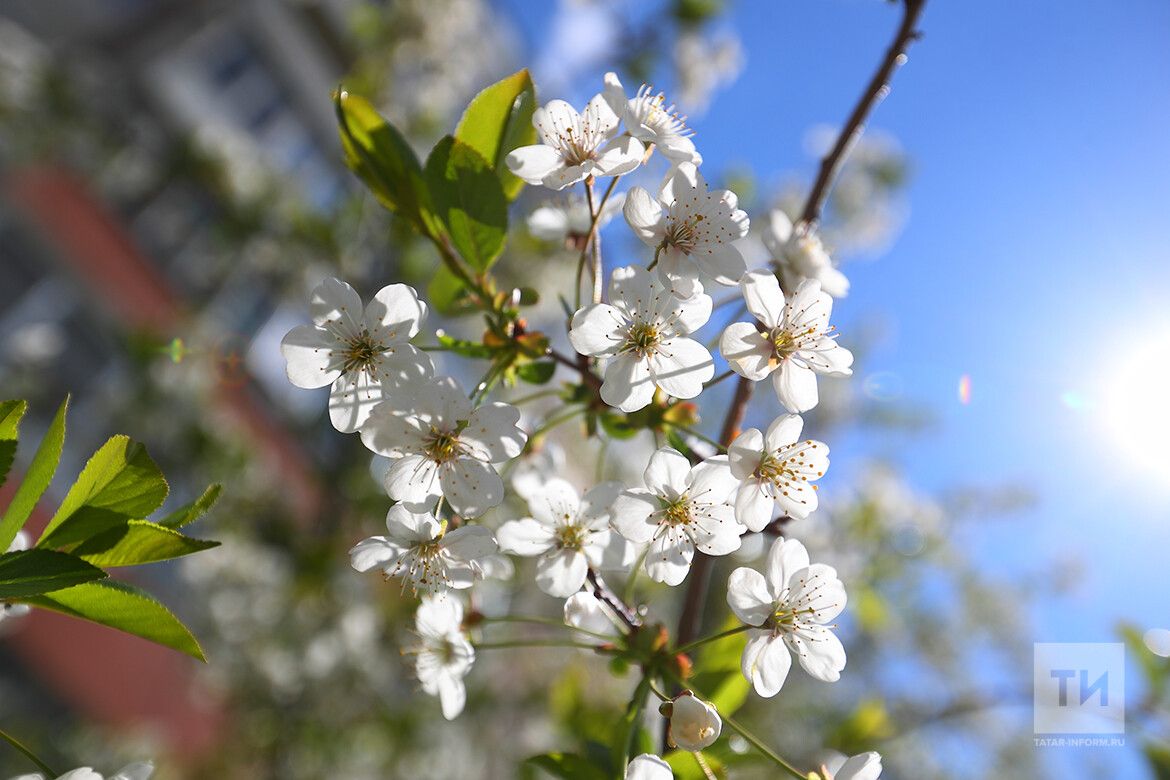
(625, 612)
(875, 91)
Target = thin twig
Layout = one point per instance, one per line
(875, 91)
(620, 608)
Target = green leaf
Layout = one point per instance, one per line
(469, 201)
(382, 158)
(498, 120)
(33, 572)
(193, 511)
(537, 372)
(618, 426)
(138, 541)
(568, 766)
(120, 482)
(36, 480)
(124, 607)
(445, 290)
(686, 767)
(10, 414)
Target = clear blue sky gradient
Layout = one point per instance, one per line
(1037, 254)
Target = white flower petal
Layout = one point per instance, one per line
(374, 552)
(747, 351)
(667, 473)
(681, 366)
(471, 486)
(534, 163)
(561, 573)
(749, 597)
(669, 557)
(723, 262)
(783, 431)
(627, 384)
(711, 480)
(492, 433)
(754, 506)
(620, 156)
(819, 652)
(796, 386)
(632, 512)
(648, 767)
(766, 663)
(764, 298)
(308, 354)
(352, 398)
(336, 306)
(598, 329)
(644, 214)
(743, 456)
(412, 479)
(864, 766)
(395, 314)
(452, 696)
(469, 542)
(785, 558)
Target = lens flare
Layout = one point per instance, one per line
(965, 389)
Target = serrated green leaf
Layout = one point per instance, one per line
(498, 120)
(36, 479)
(136, 542)
(193, 511)
(537, 372)
(32, 572)
(124, 607)
(383, 160)
(11, 413)
(119, 483)
(568, 766)
(468, 200)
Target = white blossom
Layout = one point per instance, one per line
(423, 553)
(443, 656)
(682, 507)
(693, 230)
(585, 611)
(644, 330)
(793, 343)
(568, 533)
(650, 120)
(19, 542)
(140, 770)
(863, 766)
(694, 723)
(570, 221)
(648, 767)
(443, 445)
(800, 255)
(575, 145)
(789, 605)
(776, 468)
(362, 353)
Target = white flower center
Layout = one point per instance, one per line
(642, 339)
(683, 234)
(651, 110)
(361, 352)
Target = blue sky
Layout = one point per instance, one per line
(1035, 258)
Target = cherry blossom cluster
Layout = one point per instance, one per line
(446, 447)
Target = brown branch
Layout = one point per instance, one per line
(613, 601)
(875, 91)
(690, 621)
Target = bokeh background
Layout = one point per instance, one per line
(171, 187)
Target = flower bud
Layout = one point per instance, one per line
(694, 723)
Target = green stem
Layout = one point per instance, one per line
(595, 217)
(41, 765)
(714, 637)
(751, 738)
(633, 715)
(532, 643)
(548, 622)
(699, 436)
(725, 375)
(554, 421)
(524, 399)
(632, 580)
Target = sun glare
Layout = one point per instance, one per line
(1137, 407)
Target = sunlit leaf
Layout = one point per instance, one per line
(193, 511)
(124, 607)
(36, 479)
(11, 413)
(498, 120)
(33, 572)
(468, 200)
(136, 542)
(537, 372)
(119, 482)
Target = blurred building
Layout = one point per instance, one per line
(111, 238)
